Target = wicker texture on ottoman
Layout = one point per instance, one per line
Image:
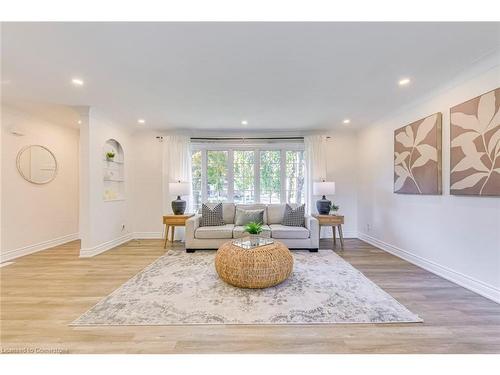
(260, 267)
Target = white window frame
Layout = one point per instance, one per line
(256, 148)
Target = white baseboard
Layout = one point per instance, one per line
(26, 250)
(477, 286)
(98, 249)
(147, 235)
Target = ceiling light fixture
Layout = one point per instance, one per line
(79, 122)
(346, 121)
(244, 122)
(141, 121)
(77, 82)
(404, 81)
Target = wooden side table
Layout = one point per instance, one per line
(335, 221)
(172, 221)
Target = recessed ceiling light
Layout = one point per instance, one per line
(77, 82)
(244, 122)
(79, 122)
(404, 81)
(141, 121)
(346, 121)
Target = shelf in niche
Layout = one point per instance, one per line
(113, 172)
(114, 200)
(113, 161)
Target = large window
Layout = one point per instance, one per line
(217, 182)
(244, 186)
(248, 174)
(197, 182)
(270, 176)
(295, 177)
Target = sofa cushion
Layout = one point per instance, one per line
(228, 210)
(275, 213)
(243, 217)
(294, 217)
(283, 231)
(220, 231)
(211, 215)
(255, 206)
(239, 231)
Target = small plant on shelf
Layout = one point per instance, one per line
(253, 228)
(110, 155)
(334, 209)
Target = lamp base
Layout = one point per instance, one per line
(178, 206)
(323, 206)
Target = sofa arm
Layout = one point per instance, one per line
(312, 224)
(191, 225)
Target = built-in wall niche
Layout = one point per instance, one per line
(113, 171)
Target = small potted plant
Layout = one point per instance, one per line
(110, 155)
(253, 229)
(334, 209)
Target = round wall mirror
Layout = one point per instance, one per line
(37, 164)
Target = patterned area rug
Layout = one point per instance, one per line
(182, 288)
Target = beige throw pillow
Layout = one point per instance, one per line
(243, 217)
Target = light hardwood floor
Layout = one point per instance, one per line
(43, 292)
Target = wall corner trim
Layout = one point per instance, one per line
(98, 249)
(30, 249)
(474, 285)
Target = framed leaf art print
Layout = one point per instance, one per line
(417, 157)
(475, 146)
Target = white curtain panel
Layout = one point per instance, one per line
(315, 155)
(176, 167)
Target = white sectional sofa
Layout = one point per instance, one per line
(201, 238)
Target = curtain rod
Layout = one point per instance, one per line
(242, 138)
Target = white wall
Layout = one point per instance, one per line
(147, 171)
(456, 237)
(103, 224)
(36, 217)
(147, 187)
(341, 166)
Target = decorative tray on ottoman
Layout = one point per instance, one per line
(248, 243)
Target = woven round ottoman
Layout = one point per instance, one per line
(259, 267)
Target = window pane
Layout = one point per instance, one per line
(270, 184)
(196, 176)
(243, 176)
(217, 176)
(295, 191)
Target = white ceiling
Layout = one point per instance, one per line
(278, 76)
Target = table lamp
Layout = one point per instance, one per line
(179, 188)
(324, 188)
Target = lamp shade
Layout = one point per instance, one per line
(324, 188)
(179, 188)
